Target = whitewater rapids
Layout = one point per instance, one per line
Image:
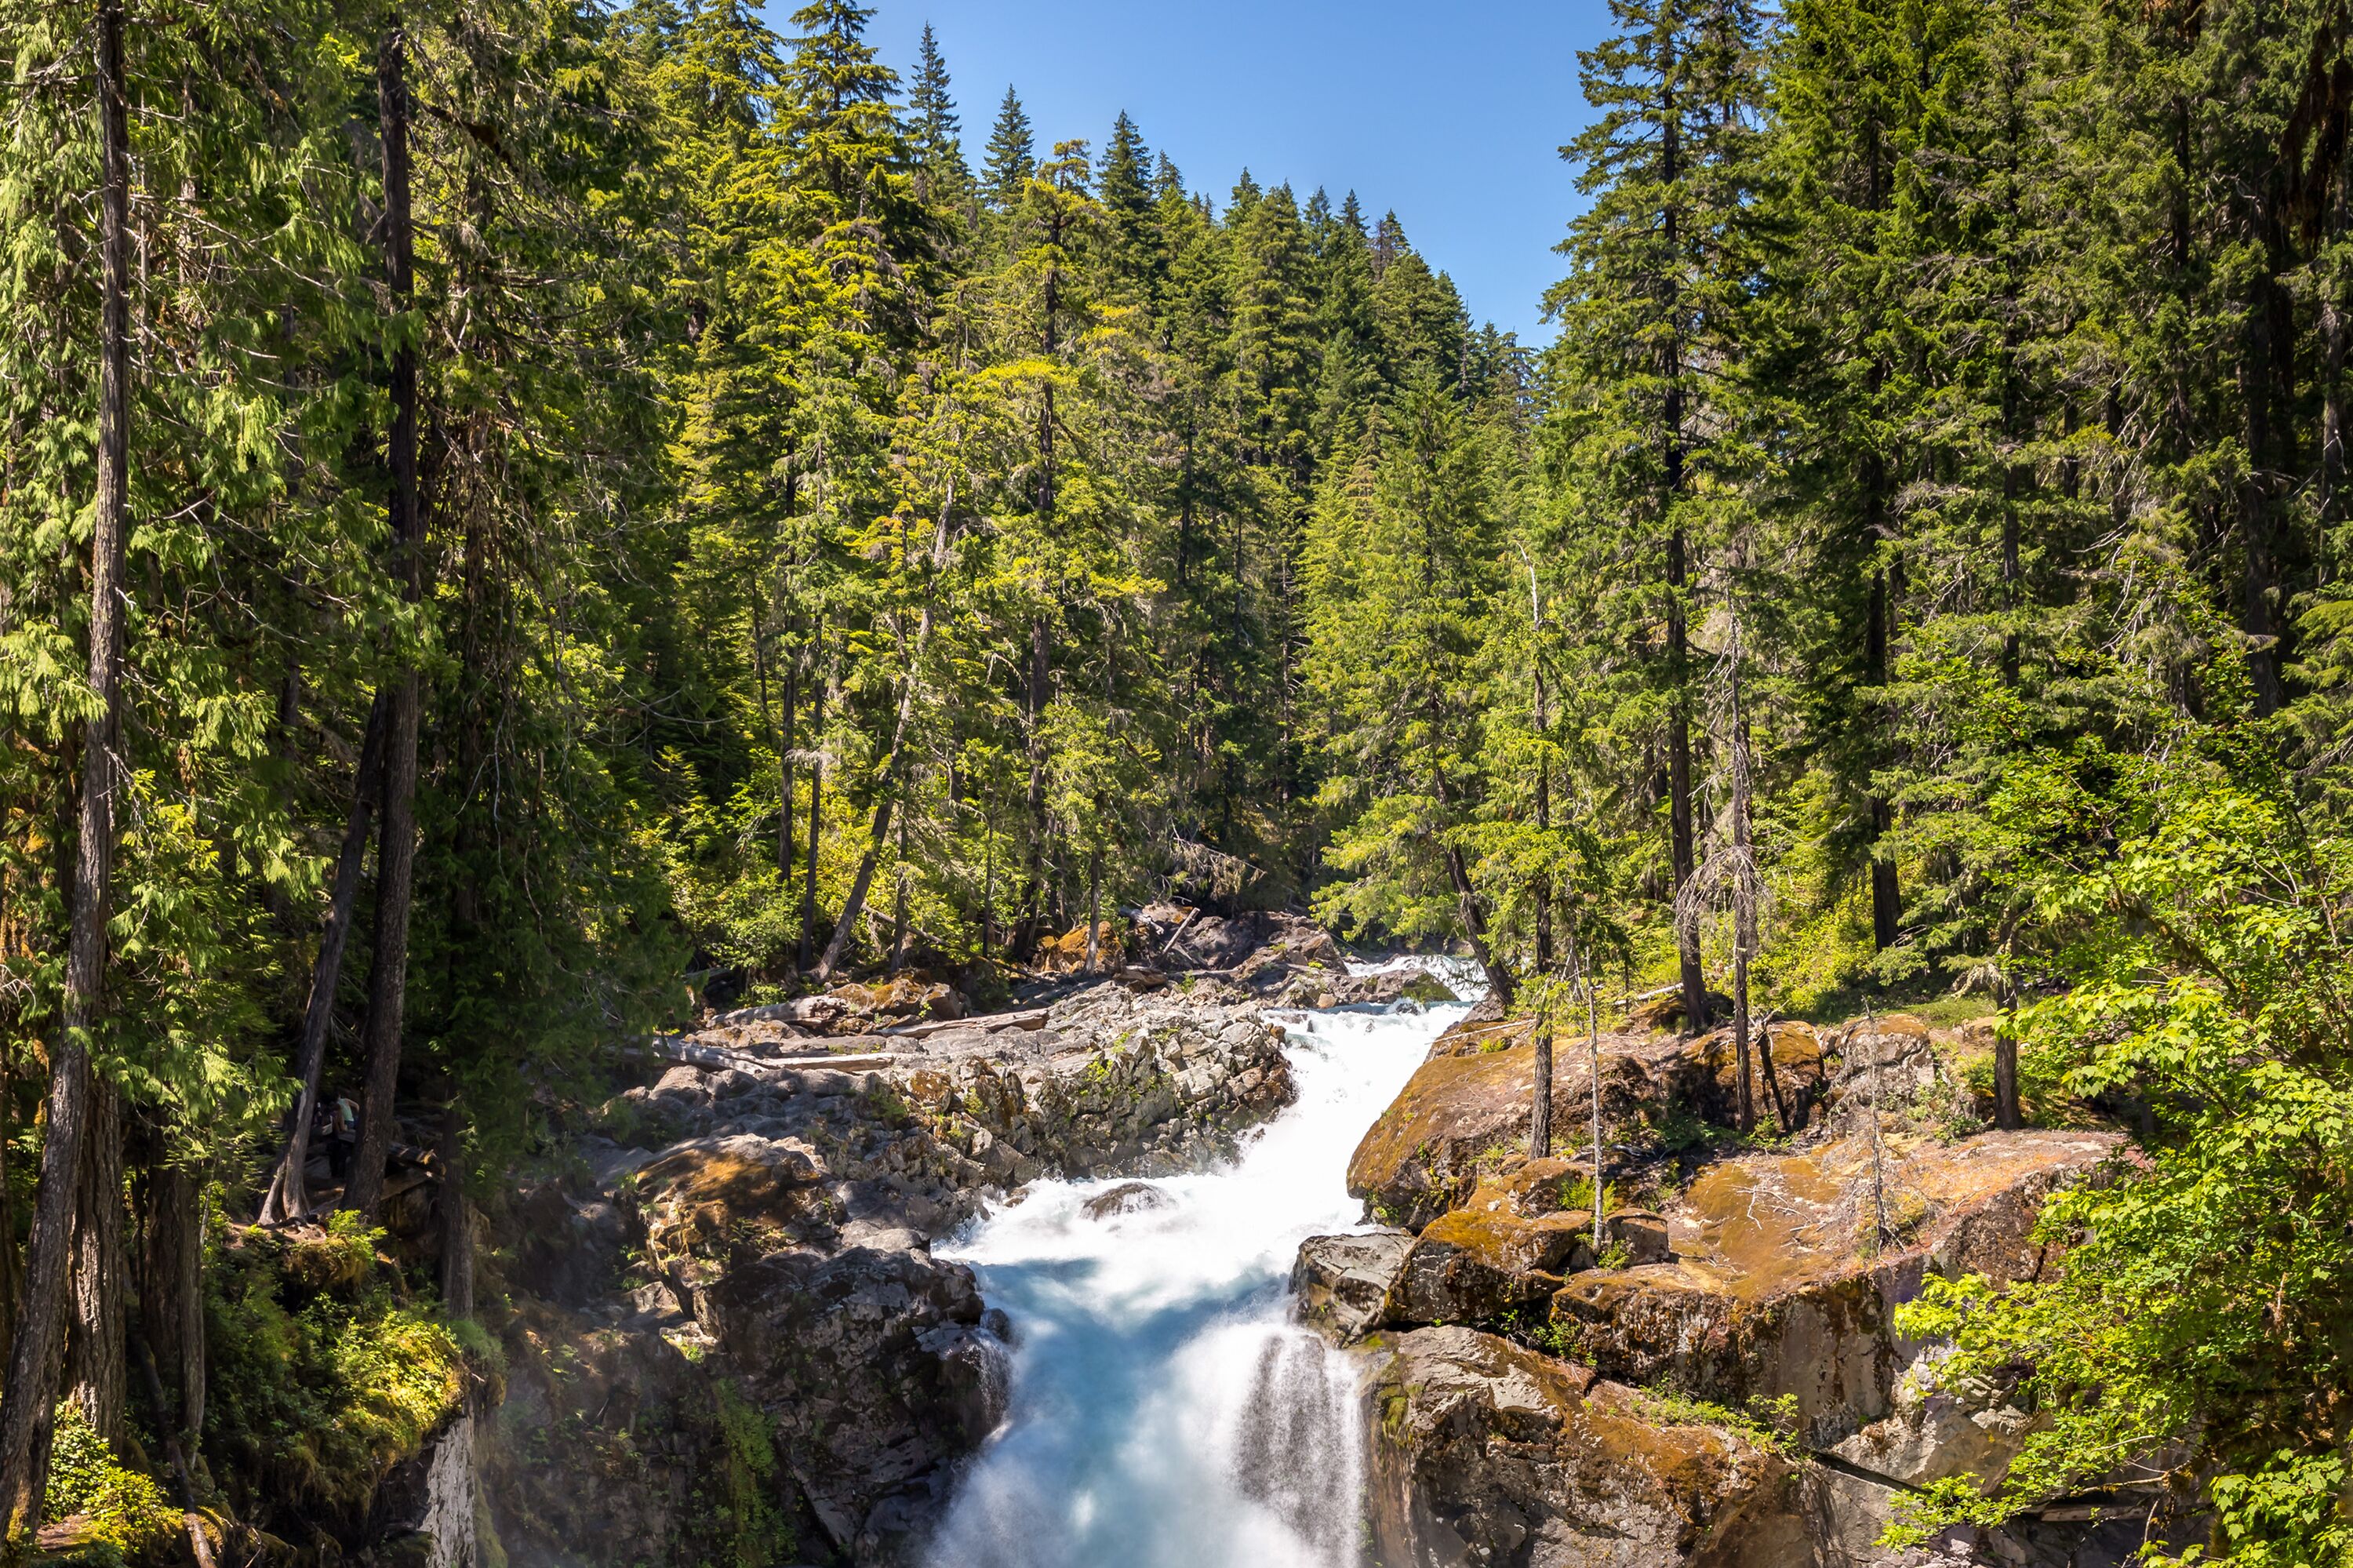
(1165, 1413)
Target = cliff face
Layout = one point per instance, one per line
(732, 1340)
(1716, 1378)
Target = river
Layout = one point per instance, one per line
(1165, 1411)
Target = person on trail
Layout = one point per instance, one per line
(342, 1136)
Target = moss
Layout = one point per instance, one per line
(321, 1382)
(758, 1532)
(1770, 1424)
(127, 1516)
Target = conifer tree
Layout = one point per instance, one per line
(1650, 319)
(932, 128)
(1012, 156)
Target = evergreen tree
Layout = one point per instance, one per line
(1012, 156)
(1650, 318)
(932, 128)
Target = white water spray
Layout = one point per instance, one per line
(1165, 1413)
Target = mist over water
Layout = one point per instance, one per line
(1165, 1413)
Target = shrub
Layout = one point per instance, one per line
(127, 1512)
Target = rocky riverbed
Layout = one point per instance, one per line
(728, 1324)
(726, 1334)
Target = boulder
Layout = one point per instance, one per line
(1464, 1114)
(1474, 1266)
(1800, 1068)
(1339, 1283)
(1776, 1291)
(1482, 1263)
(1664, 1010)
(1127, 1198)
(878, 1375)
(1484, 1452)
(1895, 1058)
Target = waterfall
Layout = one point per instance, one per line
(1165, 1413)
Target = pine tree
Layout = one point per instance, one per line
(1132, 214)
(933, 128)
(1650, 319)
(1012, 157)
(1401, 569)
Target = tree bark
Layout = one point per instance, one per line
(456, 1214)
(785, 793)
(1540, 1101)
(171, 1283)
(1886, 897)
(1772, 1077)
(2007, 1114)
(1593, 1062)
(97, 1374)
(397, 843)
(289, 1196)
(817, 800)
(24, 1405)
(1744, 894)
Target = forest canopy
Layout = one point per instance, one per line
(523, 520)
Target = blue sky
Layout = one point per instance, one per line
(1451, 115)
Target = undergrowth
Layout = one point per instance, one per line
(128, 1516)
(323, 1373)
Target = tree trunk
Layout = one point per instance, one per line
(855, 904)
(396, 857)
(1679, 790)
(289, 1196)
(2007, 1114)
(1744, 893)
(1593, 1062)
(816, 801)
(988, 890)
(97, 1375)
(1886, 900)
(456, 1214)
(1094, 905)
(1772, 1076)
(1745, 1101)
(1544, 771)
(785, 792)
(25, 1406)
(171, 1284)
(1540, 1094)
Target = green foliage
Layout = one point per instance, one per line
(1771, 1423)
(321, 1382)
(125, 1511)
(758, 1533)
(2203, 1304)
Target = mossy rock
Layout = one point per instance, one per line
(1428, 989)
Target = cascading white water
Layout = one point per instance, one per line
(1165, 1413)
